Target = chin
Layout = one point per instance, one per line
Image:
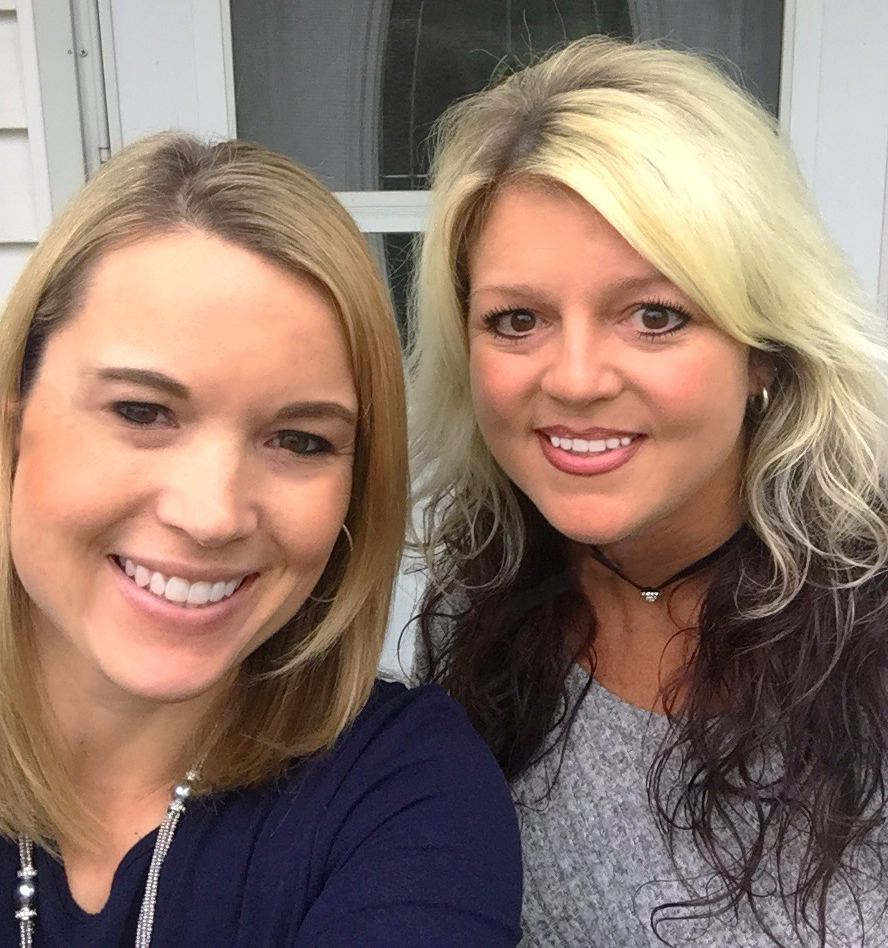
(166, 685)
(589, 528)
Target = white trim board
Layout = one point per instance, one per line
(838, 121)
(882, 297)
(34, 114)
(12, 94)
(387, 212)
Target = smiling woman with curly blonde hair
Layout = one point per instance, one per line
(651, 422)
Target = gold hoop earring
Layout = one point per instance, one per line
(760, 403)
(351, 549)
(351, 543)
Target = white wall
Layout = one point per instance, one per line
(24, 183)
(835, 92)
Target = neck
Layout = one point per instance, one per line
(650, 558)
(123, 753)
(640, 646)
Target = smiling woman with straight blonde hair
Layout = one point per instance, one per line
(651, 438)
(205, 468)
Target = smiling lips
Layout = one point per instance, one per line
(590, 452)
(585, 446)
(177, 590)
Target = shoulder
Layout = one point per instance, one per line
(410, 820)
(409, 737)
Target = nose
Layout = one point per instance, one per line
(207, 494)
(583, 363)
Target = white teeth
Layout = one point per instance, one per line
(582, 446)
(199, 594)
(178, 590)
(217, 592)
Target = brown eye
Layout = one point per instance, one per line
(521, 321)
(301, 442)
(511, 323)
(656, 320)
(139, 414)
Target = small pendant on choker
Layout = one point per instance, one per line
(652, 593)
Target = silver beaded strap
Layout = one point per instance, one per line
(26, 889)
(26, 892)
(181, 793)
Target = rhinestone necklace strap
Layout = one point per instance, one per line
(652, 593)
(181, 793)
(26, 892)
(26, 889)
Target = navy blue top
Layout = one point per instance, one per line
(403, 835)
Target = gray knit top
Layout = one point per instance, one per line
(596, 864)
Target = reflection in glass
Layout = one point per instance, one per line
(350, 88)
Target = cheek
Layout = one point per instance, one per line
(64, 482)
(498, 386)
(702, 392)
(308, 522)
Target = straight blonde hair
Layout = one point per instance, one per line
(297, 692)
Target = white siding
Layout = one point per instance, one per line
(12, 259)
(24, 184)
(18, 213)
(12, 92)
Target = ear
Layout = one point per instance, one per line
(12, 416)
(762, 371)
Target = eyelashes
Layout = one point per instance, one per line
(663, 307)
(150, 417)
(302, 443)
(514, 323)
(492, 321)
(140, 414)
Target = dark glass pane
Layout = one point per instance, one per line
(350, 88)
(438, 52)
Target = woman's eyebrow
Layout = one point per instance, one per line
(318, 409)
(627, 284)
(504, 288)
(147, 377)
(639, 283)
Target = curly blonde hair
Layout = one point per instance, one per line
(791, 641)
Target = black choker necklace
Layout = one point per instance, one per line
(651, 593)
